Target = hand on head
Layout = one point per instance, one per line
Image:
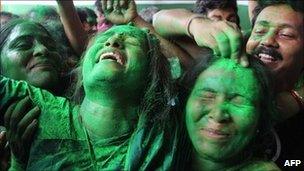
(223, 37)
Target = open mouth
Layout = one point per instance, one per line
(114, 56)
(266, 58)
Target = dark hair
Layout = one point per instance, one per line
(89, 12)
(266, 102)
(147, 13)
(8, 14)
(155, 103)
(98, 6)
(82, 15)
(9, 17)
(297, 5)
(43, 12)
(7, 29)
(203, 6)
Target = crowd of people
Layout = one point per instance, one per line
(96, 89)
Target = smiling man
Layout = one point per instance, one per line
(277, 39)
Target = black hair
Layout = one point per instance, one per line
(98, 6)
(89, 12)
(8, 14)
(203, 6)
(297, 5)
(82, 15)
(43, 12)
(9, 17)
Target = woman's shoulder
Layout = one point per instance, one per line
(260, 165)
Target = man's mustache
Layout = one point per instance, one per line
(269, 51)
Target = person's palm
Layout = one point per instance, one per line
(119, 11)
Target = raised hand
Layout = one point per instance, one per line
(20, 120)
(223, 37)
(119, 11)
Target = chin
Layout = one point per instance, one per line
(45, 80)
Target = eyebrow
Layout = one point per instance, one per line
(284, 25)
(263, 23)
(20, 38)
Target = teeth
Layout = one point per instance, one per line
(113, 56)
(266, 57)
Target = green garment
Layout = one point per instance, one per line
(62, 143)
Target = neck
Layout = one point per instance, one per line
(107, 118)
(203, 163)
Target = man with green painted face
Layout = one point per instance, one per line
(123, 121)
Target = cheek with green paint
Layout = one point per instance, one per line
(30, 54)
(222, 110)
(117, 56)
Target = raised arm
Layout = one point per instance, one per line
(124, 11)
(223, 37)
(72, 25)
(171, 23)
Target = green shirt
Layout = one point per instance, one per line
(62, 143)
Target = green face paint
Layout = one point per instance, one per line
(30, 54)
(117, 58)
(222, 110)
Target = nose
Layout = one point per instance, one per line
(269, 40)
(40, 49)
(219, 112)
(115, 41)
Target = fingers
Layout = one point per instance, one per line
(107, 6)
(8, 113)
(229, 42)
(18, 113)
(235, 39)
(244, 60)
(123, 3)
(116, 5)
(27, 136)
(223, 44)
(27, 120)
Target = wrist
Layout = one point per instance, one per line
(191, 24)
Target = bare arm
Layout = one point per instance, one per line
(170, 23)
(72, 25)
(224, 38)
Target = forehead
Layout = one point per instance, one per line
(27, 29)
(127, 31)
(280, 15)
(227, 76)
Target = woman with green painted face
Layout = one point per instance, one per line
(122, 122)
(227, 113)
(28, 53)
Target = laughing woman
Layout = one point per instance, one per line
(120, 123)
(227, 116)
